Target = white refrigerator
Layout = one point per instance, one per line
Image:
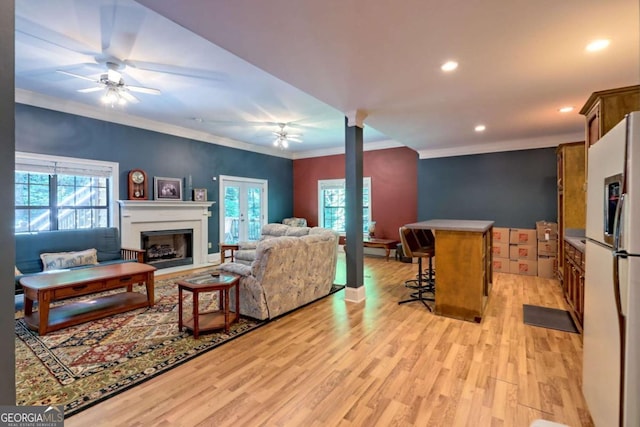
(611, 364)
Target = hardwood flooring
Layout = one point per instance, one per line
(335, 363)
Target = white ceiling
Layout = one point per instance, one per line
(227, 67)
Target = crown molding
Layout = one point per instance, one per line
(368, 146)
(495, 147)
(113, 115)
(119, 117)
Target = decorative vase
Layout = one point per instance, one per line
(372, 229)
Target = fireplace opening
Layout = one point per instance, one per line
(167, 248)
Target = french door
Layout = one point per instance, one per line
(243, 208)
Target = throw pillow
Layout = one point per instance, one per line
(60, 260)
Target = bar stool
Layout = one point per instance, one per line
(420, 285)
(427, 240)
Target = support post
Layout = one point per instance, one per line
(354, 291)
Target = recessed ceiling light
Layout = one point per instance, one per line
(480, 128)
(598, 45)
(567, 109)
(449, 66)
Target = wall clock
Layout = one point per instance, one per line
(137, 184)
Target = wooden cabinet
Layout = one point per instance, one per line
(573, 283)
(605, 109)
(464, 273)
(571, 195)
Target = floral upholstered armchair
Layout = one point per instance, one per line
(286, 273)
(295, 222)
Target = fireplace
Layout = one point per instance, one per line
(145, 216)
(167, 248)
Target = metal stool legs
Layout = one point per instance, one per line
(421, 286)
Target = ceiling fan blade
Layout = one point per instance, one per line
(91, 89)
(107, 17)
(47, 38)
(78, 76)
(147, 90)
(130, 98)
(196, 73)
(119, 28)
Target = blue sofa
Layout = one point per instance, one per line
(106, 241)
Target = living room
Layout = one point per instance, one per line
(513, 188)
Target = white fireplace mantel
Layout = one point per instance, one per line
(137, 216)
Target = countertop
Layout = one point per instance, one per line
(575, 237)
(576, 242)
(453, 225)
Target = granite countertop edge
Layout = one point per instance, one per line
(576, 242)
(453, 225)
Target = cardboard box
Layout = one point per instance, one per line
(522, 236)
(547, 248)
(525, 267)
(500, 250)
(547, 267)
(500, 235)
(546, 230)
(500, 265)
(523, 252)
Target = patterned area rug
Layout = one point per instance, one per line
(82, 365)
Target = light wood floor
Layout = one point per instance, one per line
(335, 363)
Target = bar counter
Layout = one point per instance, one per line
(463, 266)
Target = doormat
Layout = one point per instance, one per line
(551, 318)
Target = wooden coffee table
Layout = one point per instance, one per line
(209, 320)
(47, 288)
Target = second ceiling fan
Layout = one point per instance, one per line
(283, 137)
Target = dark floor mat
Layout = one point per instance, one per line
(546, 317)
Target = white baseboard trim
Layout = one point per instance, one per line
(356, 295)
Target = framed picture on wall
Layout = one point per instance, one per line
(167, 188)
(199, 194)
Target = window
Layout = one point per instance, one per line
(61, 193)
(331, 204)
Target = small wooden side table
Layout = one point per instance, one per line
(224, 247)
(209, 320)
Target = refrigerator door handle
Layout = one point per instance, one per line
(617, 223)
(624, 254)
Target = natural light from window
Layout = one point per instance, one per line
(53, 193)
(332, 210)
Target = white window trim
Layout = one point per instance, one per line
(114, 213)
(340, 183)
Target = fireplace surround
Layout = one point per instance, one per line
(138, 216)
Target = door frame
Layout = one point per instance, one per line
(265, 203)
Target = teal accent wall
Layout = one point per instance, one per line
(43, 131)
(512, 188)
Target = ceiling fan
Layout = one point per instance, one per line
(116, 91)
(283, 137)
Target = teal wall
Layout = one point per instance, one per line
(513, 188)
(45, 131)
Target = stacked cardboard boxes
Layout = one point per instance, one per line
(523, 251)
(500, 250)
(547, 236)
